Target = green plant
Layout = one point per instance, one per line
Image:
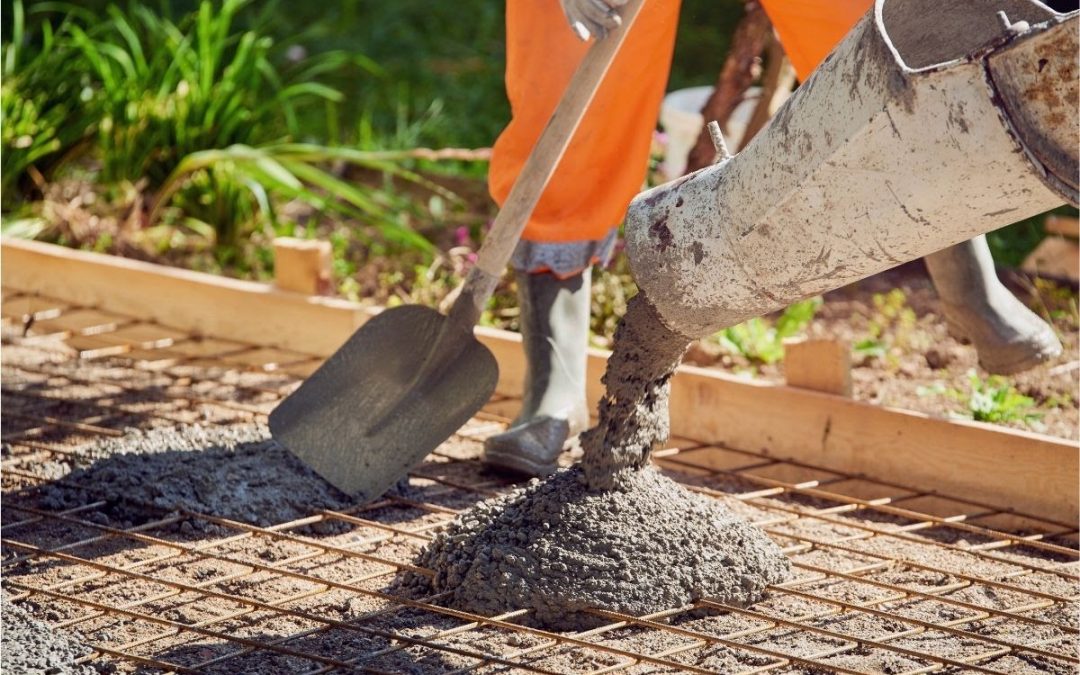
(892, 328)
(612, 288)
(762, 341)
(248, 180)
(39, 103)
(994, 399)
(196, 115)
(163, 90)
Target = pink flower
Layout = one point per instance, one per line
(461, 236)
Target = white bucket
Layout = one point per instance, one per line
(680, 115)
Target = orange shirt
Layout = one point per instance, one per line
(605, 165)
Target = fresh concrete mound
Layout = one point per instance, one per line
(558, 548)
(31, 647)
(235, 472)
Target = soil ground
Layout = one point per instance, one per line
(925, 368)
(190, 582)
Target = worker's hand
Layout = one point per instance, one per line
(592, 18)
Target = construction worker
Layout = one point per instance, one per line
(574, 224)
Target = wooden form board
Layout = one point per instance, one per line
(202, 303)
(1026, 472)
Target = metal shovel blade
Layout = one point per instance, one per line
(399, 387)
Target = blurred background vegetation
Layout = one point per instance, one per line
(192, 132)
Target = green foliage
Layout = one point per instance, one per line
(612, 288)
(39, 102)
(891, 330)
(248, 180)
(994, 399)
(1012, 244)
(439, 76)
(761, 340)
(162, 90)
(1056, 303)
(194, 113)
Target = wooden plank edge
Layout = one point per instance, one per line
(1016, 470)
(206, 304)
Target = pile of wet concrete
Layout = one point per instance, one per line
(236, 472)
(612, 533)
(29, 646)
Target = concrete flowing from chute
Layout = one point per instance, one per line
(613, 533)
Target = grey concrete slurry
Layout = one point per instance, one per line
(235, 472)
(634, 417)
(611, 533)
(30, 647)
(557, 547)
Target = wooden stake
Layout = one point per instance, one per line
(1066, 226)
(1055, 257)
(736, 75)
(302, 265)
(821, 365)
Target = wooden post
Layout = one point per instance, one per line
(1054, 257)
(737, 73)
(302, 265)
(821, 365)
(776, 85)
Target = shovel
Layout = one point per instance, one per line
(410, 377)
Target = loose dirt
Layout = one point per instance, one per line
(613, 533)
(923, 367)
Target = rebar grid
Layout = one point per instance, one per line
(886, 577)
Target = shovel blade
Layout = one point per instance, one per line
(369, 413)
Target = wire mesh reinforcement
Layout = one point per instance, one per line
(886, 578)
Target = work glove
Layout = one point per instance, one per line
(592, 18)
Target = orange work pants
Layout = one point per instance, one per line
(605, 164)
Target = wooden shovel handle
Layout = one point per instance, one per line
(540, 166)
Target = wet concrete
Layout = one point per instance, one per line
(235, 472)
(557, 547)
(611, 533)
(634, 417)
(30, 647)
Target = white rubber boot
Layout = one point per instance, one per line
(1008, 336)
(555, 333)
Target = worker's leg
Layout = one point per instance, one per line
(573, 225)
(555, 332)
(1008, 336)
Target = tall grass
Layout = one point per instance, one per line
(40, 102)
(163, 90)
(193, 112)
